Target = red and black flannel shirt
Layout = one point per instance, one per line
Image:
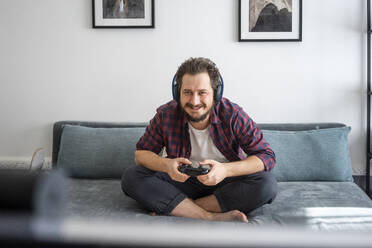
(231, 130)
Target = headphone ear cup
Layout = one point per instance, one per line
(219, 91)
(218, 94)
(176, 93)
(175, 90)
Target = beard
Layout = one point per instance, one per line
(199, 118)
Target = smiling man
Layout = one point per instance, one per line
(200, 126)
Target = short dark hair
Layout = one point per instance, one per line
(194, 66)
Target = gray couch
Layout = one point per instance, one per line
(313, 170)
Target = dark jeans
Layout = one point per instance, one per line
(157, 192)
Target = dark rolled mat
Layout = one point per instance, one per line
(38, 193)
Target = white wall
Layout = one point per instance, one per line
(54, 66)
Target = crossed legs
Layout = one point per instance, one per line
(228, 200)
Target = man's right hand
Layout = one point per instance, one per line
(172, 169)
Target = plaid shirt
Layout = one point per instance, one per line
(231, 130)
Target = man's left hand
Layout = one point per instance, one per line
(216, 174)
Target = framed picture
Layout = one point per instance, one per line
(123, 13)
(270, 20)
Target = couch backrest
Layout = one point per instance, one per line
(298, 126)
(304, 152)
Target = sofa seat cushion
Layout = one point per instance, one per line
(315, 205)
(330, 206)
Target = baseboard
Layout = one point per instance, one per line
(22, 163)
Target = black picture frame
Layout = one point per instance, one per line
(109, 17)
(252, 22)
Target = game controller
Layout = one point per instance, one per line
(194, 169)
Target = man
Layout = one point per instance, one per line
(201, 126)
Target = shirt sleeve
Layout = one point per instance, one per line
(152, 140)
(251, 139)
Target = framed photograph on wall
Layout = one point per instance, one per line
(123, 13)
(270, 20)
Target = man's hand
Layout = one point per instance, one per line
(216, 174)
(172, 169)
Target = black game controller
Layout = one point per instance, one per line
(194, 170)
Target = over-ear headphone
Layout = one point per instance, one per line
(217, 93)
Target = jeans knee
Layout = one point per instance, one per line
(269, 186)
(125, 178)
(131, 177)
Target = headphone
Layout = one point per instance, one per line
(217, 93)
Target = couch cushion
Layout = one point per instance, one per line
(326, 206)
(315, 205)
(97, 152)
(313, 155)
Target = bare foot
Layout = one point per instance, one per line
(234, 215)
(152, 213)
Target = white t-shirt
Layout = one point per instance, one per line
(202, 146)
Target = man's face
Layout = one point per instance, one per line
(196, 96)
